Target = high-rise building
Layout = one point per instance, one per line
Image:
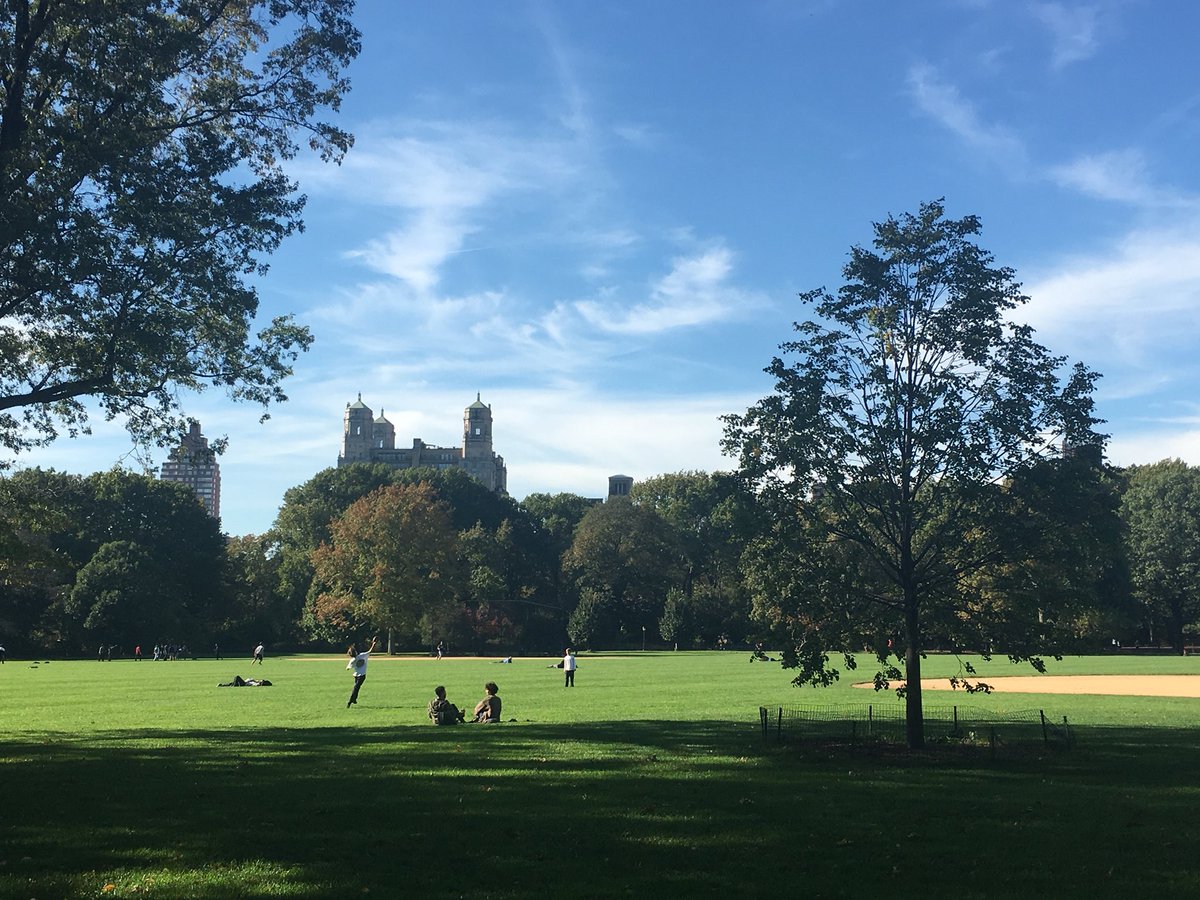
(366, 438)
(194, 464)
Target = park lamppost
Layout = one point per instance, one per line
(643, 638)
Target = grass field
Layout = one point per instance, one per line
(650, 778)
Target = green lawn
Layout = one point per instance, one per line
(650, 778)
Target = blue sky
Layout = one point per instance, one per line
(598, 217)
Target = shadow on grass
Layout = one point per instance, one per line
(590, 809)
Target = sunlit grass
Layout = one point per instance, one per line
(649, 778)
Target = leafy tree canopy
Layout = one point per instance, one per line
(141, 187)
(1161, 509)
(897, 412)
(392, 562)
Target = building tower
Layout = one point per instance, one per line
(619, 486)
(477, 430)
(194, 464)
(358, 433)
(383, 433)
(478, 458)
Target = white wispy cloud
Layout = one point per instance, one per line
(1129, 288)
(696, 291)
(1149, 445)
(1119, 175)
(1122, 176)
(441, 181)
(1074, 31)
(598, 434)
(942, 102)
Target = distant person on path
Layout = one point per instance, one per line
(137, 653)
(258, 655)
(441, 649)
(442, 711)
(488, 709)
(3, 655)
(568, 665)
(358, 665)
(216, 651)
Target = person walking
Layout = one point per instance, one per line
(569, 668)
(358, 665)
(258, 654)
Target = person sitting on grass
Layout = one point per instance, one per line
(442, 711)
(488, 709)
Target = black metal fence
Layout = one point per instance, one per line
(951, 724)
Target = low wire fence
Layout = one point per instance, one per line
(886, 724)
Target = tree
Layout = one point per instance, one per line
(1161, 509)
(36, 509)
(392, 562)
(118, 594)
(623, 561)
(256, 603)
(556, 516)
(117, 555)
(907, 402)
(304, 521)
(712, 519)
(141, 187)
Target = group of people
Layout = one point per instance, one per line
(487, 711)
(442, 711)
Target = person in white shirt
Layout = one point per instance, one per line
(569, 668)
(258, 655)
(358, 665)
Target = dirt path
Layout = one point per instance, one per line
(1125, 685)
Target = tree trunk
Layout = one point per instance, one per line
(914, 715)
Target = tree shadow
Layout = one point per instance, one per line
(596, 808)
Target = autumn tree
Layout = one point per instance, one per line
(392, 562)
(897, 413)
(142, 187)
(1161, 510)
(305, 519)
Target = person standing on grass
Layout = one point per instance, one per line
(568, 665)
(258, 654)
(488, 709)
(358, 665)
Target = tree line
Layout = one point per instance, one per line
(1077, 554)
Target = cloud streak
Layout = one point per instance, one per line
(1074, 31)
(942, 102)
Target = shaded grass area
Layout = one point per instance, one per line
(257, 794)
(602, 809)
